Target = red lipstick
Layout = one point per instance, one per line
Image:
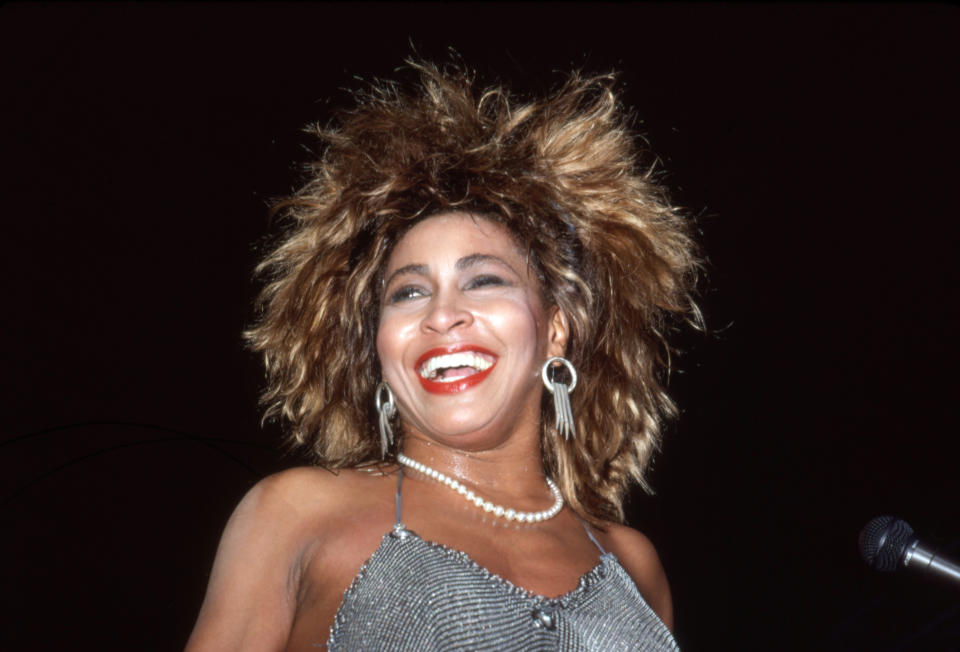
(460, 384)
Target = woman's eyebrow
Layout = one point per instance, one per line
(475, 259)
(464, 263)
(415, 268)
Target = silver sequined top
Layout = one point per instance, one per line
(417, 595)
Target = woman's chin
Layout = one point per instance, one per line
(464, 435)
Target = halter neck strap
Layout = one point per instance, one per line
(399, 499)
(589, 532)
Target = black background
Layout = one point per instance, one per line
(816, 145)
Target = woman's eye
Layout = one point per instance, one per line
(406, 293)
(485, 280)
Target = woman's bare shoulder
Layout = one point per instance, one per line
(299, 488)
(638, 556)
(314, 492)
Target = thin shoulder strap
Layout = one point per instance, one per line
(400, 501)
(590, 534)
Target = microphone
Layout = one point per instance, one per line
(887, 543)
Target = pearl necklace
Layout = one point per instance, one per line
(486, 505)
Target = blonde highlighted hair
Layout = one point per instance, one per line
(562, 174)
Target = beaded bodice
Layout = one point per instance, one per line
(412, 594)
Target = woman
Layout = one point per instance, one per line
(464, 326)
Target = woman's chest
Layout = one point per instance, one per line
(416, 595)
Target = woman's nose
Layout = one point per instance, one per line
(447, 312)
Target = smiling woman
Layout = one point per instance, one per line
(455, 259)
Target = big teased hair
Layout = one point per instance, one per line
(563, 174)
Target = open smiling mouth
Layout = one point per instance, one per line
(454, 369)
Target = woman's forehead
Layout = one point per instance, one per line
(452, 236)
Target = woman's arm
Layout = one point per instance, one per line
(251, 599)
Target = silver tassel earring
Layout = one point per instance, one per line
(561, 397)
(387, 410)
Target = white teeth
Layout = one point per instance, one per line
(464, 359)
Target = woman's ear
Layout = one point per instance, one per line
(558, 331)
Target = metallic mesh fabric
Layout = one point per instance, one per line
(416, 595)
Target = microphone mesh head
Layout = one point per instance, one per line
(883, 541)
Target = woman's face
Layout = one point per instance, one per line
(463, 332)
